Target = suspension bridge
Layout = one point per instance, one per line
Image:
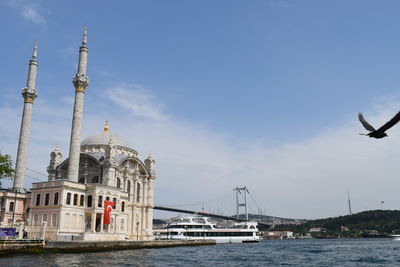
(217, 208)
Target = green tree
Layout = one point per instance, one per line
(6, 169)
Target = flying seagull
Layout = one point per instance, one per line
(380, 133)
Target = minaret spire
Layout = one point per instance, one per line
(84, 38)
(29, 94)
(34, 54)
(80, 81)
(106, 126)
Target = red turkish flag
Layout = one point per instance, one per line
(107, 210)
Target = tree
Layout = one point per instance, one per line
(6, 169)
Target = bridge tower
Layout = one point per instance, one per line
(241, 202)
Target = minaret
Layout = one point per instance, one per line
(29, 94)
(80, 81)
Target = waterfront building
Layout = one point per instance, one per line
(103, 167)
(317, 230)
(109, 170)
(14, 206)
(278, 235)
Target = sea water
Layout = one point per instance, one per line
(313, 252)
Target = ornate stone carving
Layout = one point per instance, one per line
(29, 94)
(55, 160)
(80, 81)
(150, 165)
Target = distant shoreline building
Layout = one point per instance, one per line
(70, 205)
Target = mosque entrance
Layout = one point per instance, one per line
(88, 222)
(98, 222)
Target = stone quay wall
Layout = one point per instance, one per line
(15, 246)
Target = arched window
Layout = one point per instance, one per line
(81, 180)
(54, 220)
(56, 198)
(123, 206)
(107, 198)
(11, 208)
(118, 183)
(128, 188)
(100, 204)
(138, 192)
(81, 201)
(89, 201)
(38, 200)
(69, 199)
(95, 179)
(115, 203)
(46, 199)
(75, 199)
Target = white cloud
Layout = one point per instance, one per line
(28, 9)
(300, 179)
(32, 14)
(140, 101)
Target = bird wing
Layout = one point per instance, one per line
(390, 123)
(365, 123)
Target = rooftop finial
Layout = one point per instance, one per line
(106, 127)
(84, 39)
(34, 54)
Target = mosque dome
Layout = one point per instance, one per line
(103, 138)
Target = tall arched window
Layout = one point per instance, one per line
(69, 199)
(123, 206)
(55, 198)
(75, 199)
(46, 199)
(38, 200)
(115, 203)
(138, 192)
(89, 201)
(81, 201)
(11, 208)
(128, 187)
(100, 204)
(118, 183)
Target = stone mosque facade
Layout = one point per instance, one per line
(103, 167)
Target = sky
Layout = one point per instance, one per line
(223, 94)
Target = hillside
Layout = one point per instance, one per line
(367, 223)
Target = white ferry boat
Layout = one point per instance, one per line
(201, 228)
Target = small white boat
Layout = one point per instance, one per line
(395, 237)
(196, 227)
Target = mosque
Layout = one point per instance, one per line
(102, 191)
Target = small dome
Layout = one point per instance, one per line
(103, 139)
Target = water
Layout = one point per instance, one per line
(332, 252)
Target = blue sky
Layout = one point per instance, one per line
(223, 93)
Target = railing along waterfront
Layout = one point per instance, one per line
(41, 232)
